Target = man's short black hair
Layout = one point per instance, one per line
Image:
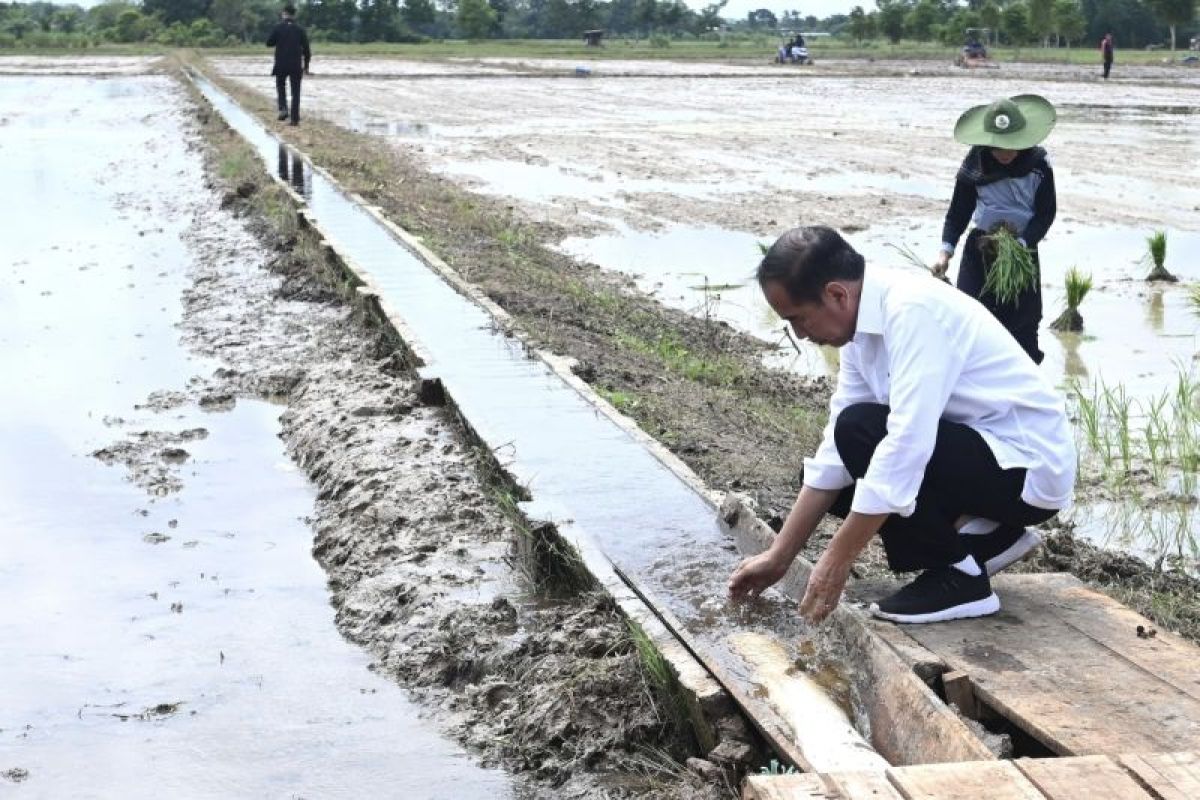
(290, 10)
(805, 259)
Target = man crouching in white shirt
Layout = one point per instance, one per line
(943, 436)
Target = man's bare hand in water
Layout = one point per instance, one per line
(756, 574)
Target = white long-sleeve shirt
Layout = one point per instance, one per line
(930, 352)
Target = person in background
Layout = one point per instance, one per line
(292, 56)
(943, 437)
(1005, 180)
(1106, 53)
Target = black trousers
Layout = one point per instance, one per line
(1107, 66)
(1022, 316)
(962, 477)
(280, 82)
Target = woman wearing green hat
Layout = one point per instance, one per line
(1005, 180)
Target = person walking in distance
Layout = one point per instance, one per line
(1106, 53)
(292, 57)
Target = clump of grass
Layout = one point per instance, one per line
(1157, 243)
(1078, 285)
(1012, 269)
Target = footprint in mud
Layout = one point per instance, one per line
(160, 711)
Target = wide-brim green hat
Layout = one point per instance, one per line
(1015, 123)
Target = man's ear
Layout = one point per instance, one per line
(838, 294)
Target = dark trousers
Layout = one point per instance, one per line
(294, 79)
(1022, 316)
(1107, 66)
(962, 478)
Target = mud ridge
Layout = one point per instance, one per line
(418, 551)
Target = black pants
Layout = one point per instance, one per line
(1022, 316)
(1107, 66)
(294, 79)
(962, 477)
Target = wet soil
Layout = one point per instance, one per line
(165, 630)
(417, 547)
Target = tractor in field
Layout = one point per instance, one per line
(974, 53)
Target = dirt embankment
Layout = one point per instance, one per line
(417, 546)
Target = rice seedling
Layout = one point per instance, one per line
(1157, 243)
(1078, 285)
(1011, 268)
(1089, 414)
(912, 258)
(1117, 406)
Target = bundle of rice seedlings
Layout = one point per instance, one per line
(1011, 267)
(1157, 243)
(1078, 285)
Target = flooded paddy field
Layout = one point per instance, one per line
(167, 629)
(674, 173)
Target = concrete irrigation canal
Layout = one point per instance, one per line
(169, 634)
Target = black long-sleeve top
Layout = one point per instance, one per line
(1020, 193)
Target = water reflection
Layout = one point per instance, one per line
(1154, 310)
(291, 169)
(1073, 364)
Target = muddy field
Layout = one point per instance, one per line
(191, 622)
(671, 173)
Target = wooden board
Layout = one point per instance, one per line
(862, 786)
(787, 787)
(1091, 777)
(993, 780)
(1167, 656)
(1073, 691)
(1172, 776)
(909, 723)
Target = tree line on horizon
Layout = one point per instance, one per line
(207, 23)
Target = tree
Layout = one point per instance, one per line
(709, 17)
(176, 10)
(1173, 12)
(890, 19)
(989, 15)
(862, 26)
(1041, 18)
(419, 14)
(67, 19)
(762, 18)
(475, 18)
(919, 21)
(1014, 22)
(1069, 23)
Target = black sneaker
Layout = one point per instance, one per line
(938, 595)
(1001, 548)
(283, 115)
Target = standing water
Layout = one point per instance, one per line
(169, 637)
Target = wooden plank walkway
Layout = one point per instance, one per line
(1165, 776)
(1066, 665)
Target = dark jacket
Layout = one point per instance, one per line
(291, 48)
(1023, 189)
